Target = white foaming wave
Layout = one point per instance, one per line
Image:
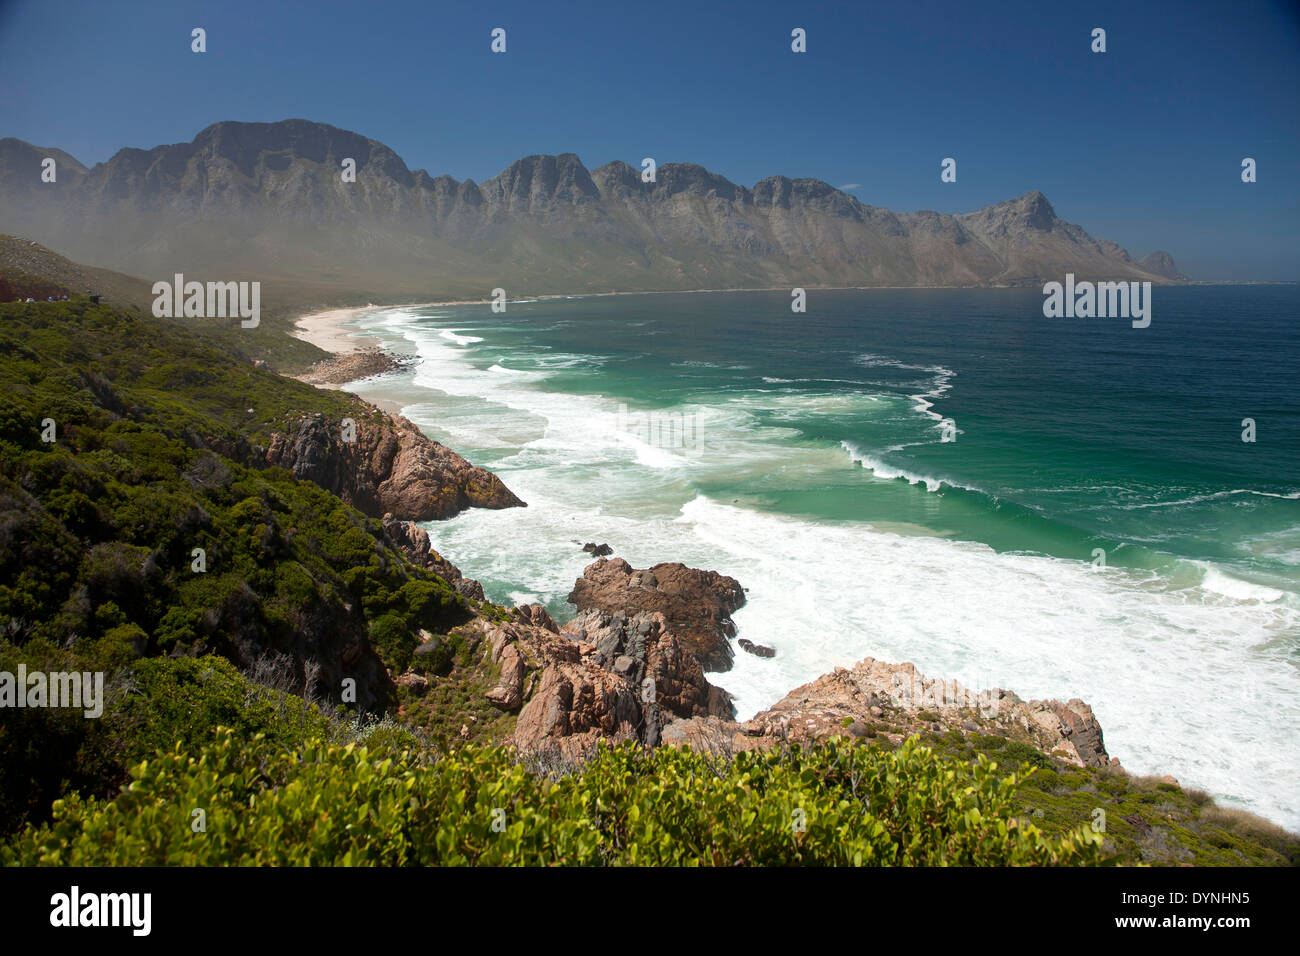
(395, 318)
(695, 363)
(794, 404)
(830, 381)
(1201, 499)
(454, 335)
(888, 472)
(1165, 671)
(1220, 582)
(868, 360)
(585, 428)
(925, 400)
(1281, 545)
(562, 360)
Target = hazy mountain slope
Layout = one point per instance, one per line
(1162, 264)
(18, 255)
(267, 200)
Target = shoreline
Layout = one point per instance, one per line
(340, 319)
(325, 328)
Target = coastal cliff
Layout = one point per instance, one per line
(388, 467)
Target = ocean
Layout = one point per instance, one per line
(1061, 507)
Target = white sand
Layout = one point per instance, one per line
(327, 330)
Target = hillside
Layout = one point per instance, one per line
(28, 268)
(20, 256)
(267, 201)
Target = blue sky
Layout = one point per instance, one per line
(1141, 144)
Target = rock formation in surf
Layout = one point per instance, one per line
(696, 604)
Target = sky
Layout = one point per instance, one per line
(1142, 144)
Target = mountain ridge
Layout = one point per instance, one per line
(269, 199)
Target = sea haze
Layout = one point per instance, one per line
(803, 454)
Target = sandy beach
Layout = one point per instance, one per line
(327, 329)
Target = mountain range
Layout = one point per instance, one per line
(269, 201)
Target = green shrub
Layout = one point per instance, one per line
(330, 805)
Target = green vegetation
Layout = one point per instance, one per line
(1146, 820)
(98, 531)
(370, 805)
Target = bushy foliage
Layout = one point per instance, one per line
(347, 805)
(109, 515)
(150, 705)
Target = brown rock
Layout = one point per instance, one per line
(536, 615)
(416, 682)
(696, 605)
(508, 694)
(642, 648)
(349, 367)
(819, 710)
(390, 467)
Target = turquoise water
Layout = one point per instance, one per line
(925, 475)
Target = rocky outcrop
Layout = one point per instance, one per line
(388, 466)
(696, 605)
(875, 698)
(537, 616)
(350, 367)
(413, 541)
(758, 650)
(508, 694)
(641, 648)
(567, 702)
(597, 550)
(603, 677)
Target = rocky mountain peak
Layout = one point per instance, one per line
(1032, 209)
(542, 179)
